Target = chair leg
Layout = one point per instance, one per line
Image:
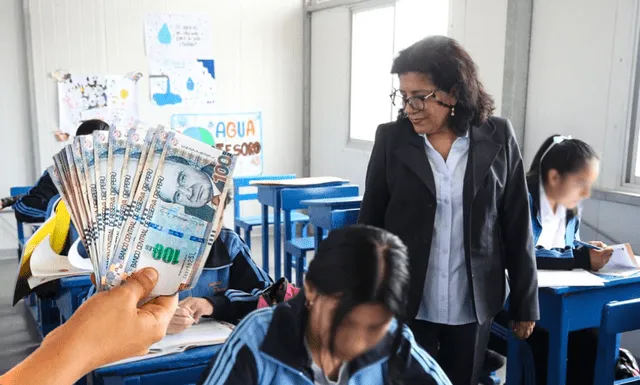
(301, 262)
(247, 238)
(287, 266)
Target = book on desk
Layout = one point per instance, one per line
(207, 332)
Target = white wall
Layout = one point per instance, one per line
(257, 51)
(15, 147)
(580, 81)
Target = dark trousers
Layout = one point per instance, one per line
(459, 349)
(581, 352)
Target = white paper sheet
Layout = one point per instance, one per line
(561, 278)
(186, 36)
(45, 262)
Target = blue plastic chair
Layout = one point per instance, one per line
(617, 317)
(247, 223)
(296, 249)
(13, 191)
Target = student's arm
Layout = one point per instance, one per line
(559, 259)
(246, 282)
(420, 369)
(517, 237)
(236, 363)
(376, 194)
(32, 207)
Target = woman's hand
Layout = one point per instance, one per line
(108, 327)
(181, 320)
(522, 329)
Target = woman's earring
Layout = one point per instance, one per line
(309, 304)
(453, 111)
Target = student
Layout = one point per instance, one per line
(107, 328)
(560, 178)
(32, 207)
(347, 326)
(229, 286)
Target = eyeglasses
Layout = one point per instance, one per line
(416, 102)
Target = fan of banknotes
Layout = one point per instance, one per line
(144, 197)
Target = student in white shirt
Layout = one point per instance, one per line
(559, 179)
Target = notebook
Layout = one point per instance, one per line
(207, 332)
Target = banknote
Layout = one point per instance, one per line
(101, 154)
(138, 142)
(74, 182)
(116, 270)
(115, 159)
(88, 156)
(182, 216)
(84, 190)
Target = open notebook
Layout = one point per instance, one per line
(207, 332)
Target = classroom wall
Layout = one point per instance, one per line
(577, 86)
(257, 52)
(15, 146)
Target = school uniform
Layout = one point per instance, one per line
(554, 234)
(268, 348)
(32, 207)
(230, 279)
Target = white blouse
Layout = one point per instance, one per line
(554, 225)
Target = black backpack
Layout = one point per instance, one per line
(627, 366)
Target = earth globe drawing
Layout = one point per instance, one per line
(200, 134)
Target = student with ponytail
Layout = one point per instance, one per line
(345, 327)
(559, 179)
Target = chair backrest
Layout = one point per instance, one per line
(344, 218)
(19, 190)
(617, 317)
(243, 183)
(292, 197)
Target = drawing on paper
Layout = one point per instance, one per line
(110, 98)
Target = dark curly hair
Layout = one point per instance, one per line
(451, 69)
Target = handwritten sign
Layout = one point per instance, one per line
(239, 134)
(178, 36)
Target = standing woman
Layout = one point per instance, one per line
(448, 179)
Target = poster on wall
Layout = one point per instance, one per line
(181, 68)
(172, 35)
(111, 98)
(237, 133)
(176, 82)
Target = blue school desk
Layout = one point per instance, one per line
(69, 298)
(269, 196)
(174, 369)
(320, 212)
(566, 309)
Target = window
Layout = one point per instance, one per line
(377, 35)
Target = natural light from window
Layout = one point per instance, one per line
(378, 34)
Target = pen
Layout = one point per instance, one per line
(588, 245)
(188, 315)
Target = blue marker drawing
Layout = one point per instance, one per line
(190, 84)
(167, 98)
(209, 65)
(164, 36)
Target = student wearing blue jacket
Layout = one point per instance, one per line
(347, 326)
(559, 179)
(229, 286)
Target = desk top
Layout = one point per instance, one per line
(330, 201)
(299, 182)
(610, 282)
(189, 358)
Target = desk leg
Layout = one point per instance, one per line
(277, 238)
(287, 237)
(318, 236)
(558, 346)
(265, 238)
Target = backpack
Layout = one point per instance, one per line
(282, 290)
